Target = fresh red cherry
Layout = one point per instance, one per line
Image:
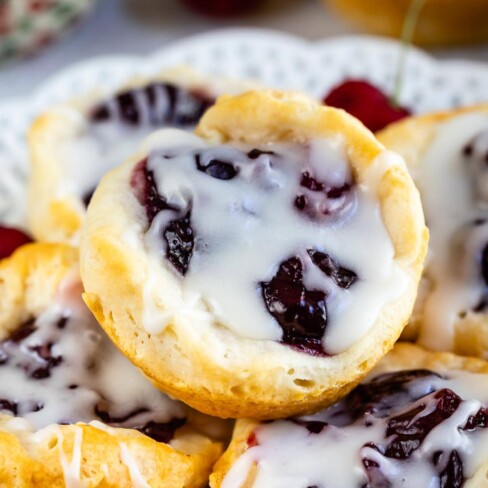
(367, 103)
(10, 240)
(221, 8)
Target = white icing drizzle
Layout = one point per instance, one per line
(103, 376)
(245, 227)
(71, 469)
(450, 190)
(97, 149)
(137, 480)
(287, 454)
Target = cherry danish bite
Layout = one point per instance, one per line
(73, 145)
(73, 410)
(261, 266)
(447, 155)
(419, 420)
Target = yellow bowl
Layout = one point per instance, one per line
(441, 22)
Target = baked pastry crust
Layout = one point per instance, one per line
(209, 367)
(55, 215)
(411, 138)
(402, 356)
(95, 454)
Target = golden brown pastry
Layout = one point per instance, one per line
(261, 267)
(73, 410)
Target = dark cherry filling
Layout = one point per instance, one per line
(341, 276)
(484, 264)
(376, 478)
(322, 199)
(379, 396)
(38, 362)
(215, 168)
(8, 405)
(478, 421)
(410, 428)
(313, 426)
(406, 432)
(185, 107)
(10, 240)
(450, 469)
(255, 153)
(301, 313)
(178, 234)
(179, 238)
(86, 198)
(384, 397)
(161, 432)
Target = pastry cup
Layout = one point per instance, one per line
(404, 358)
(206, 364)
(414, 138)
(91, 454)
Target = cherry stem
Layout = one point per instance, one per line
(408, 32)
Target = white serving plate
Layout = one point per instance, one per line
(273, 59)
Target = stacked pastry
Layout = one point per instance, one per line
(260, 268)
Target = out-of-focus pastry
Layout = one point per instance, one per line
(447, 156)
(73, 410)
(420, 419)
(72, 146)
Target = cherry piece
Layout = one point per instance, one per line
(86, 198)
(217, 169)
(301, 313)
(179, 238)
(376, 478)
(8, 405)
(484, 264)
(322, 199)
(313, 426)
(341, 276)
(49, 361)
(365, 102)
(450, 469)
(107, 418)
(255, 153)
(37, 361)
(379, 396)
(478, 421)
(252, 440)
(162, 432)
(22, 332)
(411, 428)
(144, 186)
(178, 234)
(10, 240)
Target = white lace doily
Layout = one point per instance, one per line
(274, 59)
